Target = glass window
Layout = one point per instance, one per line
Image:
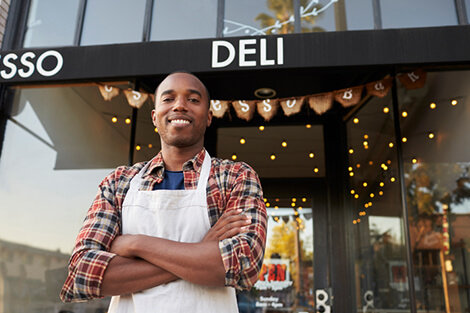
(437, 170)
(318, 16)
(59, 144)
(113, 21)
(467, 6)
(258, 17)
(375, 210)
(47, 27)
(417, 13)
(359, 14)
(182, 19)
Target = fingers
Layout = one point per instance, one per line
(230, 224)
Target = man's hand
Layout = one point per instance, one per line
(231, 223)
(122, 245)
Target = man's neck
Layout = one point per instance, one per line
(174, 158)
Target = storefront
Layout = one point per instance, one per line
(355, 114)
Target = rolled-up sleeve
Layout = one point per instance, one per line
(90, 256)
(243, 254)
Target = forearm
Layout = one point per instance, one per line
(126, 275)
(199, 263)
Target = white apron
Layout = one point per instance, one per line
(178, 215)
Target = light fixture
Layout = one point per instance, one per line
(350, 168)
(390, 144)
(284, 143)
(381, 193)
(294, 199)
(308, 126)
(432, 106)
(355, 120)
(372, 195)
(265, 93)
(353, 191)
(366, 136)
(453, 102)
(150, 146)
(404, 139)
(273, 156)
(351, 174)
(304, 199)
(404, 114)
(365, 143)
(392, 179)
(371, 162)
(356, 196)
(316, 169)
(128, 120)
(358, 165)
(351, 151)
(234, 156)
(364, 184)
(414, 160)
(381, 184)
(431, 135)
(311, 155)
(268, 204)
(386, 110)
(114, 119)
(156, 130)
(138, 147)
(261, 128)
(242, 141)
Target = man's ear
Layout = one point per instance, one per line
(154, 118)
(209, 118)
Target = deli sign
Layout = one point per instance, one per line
(24, 65)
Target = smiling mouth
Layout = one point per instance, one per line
(179, 122)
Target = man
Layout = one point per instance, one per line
(178, 233)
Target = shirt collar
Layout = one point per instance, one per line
(157, 166)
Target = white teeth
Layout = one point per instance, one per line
(180, 122)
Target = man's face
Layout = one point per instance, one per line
(181, 112)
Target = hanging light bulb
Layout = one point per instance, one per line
(404, 139)
(392, 179)
(150, 146)
(381, 193)
(365, 143)
(432, 106)
(353, 191)
(311, 155)
(366, 136)
(316, 169)
(414, 160)
(364, 184)
(304, 199)
(356, 196)
(351, 151)
(242, 141)
(358, 165)
(308, 126)
(156, 130)
(114, 119)
(128, 120)
(431, 135)
(454, 102)
(372, 195)
(390, 144)
(234, 156)
(284, 144)
(351, 174)
(138, 147)
(381, 184)
(386, 110)
(404, 114)
(294, 199)
(273, 156)
(355, 120)
(350, 168)
(261, 128)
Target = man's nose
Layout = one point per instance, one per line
(180, 105)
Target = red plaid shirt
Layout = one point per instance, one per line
(231, 185)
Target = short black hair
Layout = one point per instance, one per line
(189, 73)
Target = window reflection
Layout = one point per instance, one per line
(418, 13)
(260, 17)
(47, 28)
(182, 19)
(59, 144)
(286, 277)
(438, 189)
(113, 21)
(376, 211)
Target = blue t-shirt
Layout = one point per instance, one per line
(172, 180)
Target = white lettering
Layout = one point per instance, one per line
(348, 94)
(11, 66)
(244, 51)
(245, 106)
(28, 64)
(379, 86)
(215, 53)
(280, 51)
(289, 105)
(267, 107)
(56, 69)
(136, 95)
(264, 61)
(216, 105)
(413, 76)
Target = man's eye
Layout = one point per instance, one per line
(195, 100)
(167, 99)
